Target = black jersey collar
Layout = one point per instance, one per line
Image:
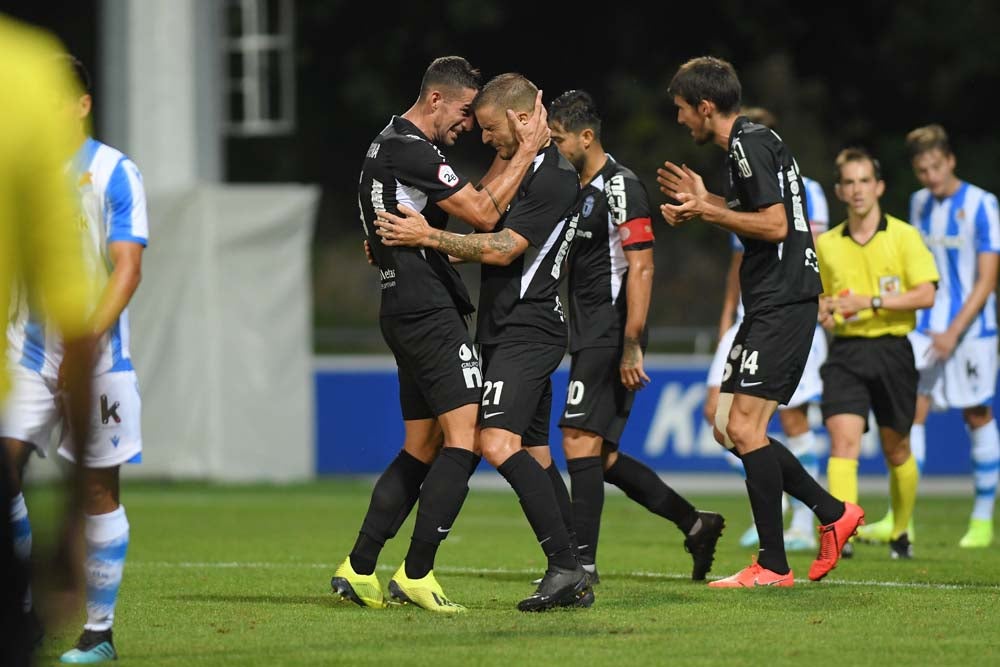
(738, 126)
(883, 224)
(404, 126)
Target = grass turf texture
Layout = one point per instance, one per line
(240, 575)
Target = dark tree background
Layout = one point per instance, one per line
(850, 73)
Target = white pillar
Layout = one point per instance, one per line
(159, 92)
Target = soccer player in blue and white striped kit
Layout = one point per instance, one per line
(955, 342)
(114, 227)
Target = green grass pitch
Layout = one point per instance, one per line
(239, 575)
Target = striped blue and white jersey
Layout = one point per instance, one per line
(113, 208)
(957, 229)
(818, 213)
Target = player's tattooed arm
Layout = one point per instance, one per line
(411, 229)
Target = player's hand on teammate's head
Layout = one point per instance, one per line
(410, 228)
(535, 133)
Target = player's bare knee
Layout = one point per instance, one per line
(498, 446)
(101, 490)
(17, 454)
(978, 416)
(579, 444)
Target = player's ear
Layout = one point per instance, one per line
(706, 107)
(435, 98)
(839, 192)
(587, 137)
(880, 188)
(84, 106)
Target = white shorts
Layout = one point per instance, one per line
(810, 387)
(32, 411)
(966, 379)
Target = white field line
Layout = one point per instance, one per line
(221, 565)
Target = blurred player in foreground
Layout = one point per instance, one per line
(41, 258)
(112, 222)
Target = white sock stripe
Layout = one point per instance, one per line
(18, 508)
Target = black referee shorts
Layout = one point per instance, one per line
(517, 388)
(876, 374)
(596, 399)
(437, 361)
(770, 351)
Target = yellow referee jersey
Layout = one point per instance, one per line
(894, 260)
(41, 253)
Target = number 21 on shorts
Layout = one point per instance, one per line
(496, 388)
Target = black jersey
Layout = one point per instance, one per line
(763, 172)
(520, 302)
(402, 166)
(598, 269)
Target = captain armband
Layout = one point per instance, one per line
(635, 231)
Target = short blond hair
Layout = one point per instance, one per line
(927, 138)
(857, 154)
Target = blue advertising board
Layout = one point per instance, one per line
(359, 428)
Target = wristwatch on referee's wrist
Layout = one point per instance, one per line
(876, 302)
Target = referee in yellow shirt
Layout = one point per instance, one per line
(876, 273)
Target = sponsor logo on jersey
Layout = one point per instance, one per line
(447, 175)
(617, 201)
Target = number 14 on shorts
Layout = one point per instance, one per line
(748, 361)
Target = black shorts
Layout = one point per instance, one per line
(596, 399)
(517, 389)
(876, 374)
(437, 361)
(770, 352)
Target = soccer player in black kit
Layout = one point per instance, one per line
(521, 326)
(423, 309)
(765, 206)
(610, 282)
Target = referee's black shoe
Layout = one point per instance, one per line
(901, 548)
(560, 587)
(701, 544)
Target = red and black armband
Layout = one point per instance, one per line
(636, 231)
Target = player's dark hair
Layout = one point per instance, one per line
(575, 111)
(707, 78)
(80, 74)
(857, 154)
(507, 91)
(927, 138)
(452, 73)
